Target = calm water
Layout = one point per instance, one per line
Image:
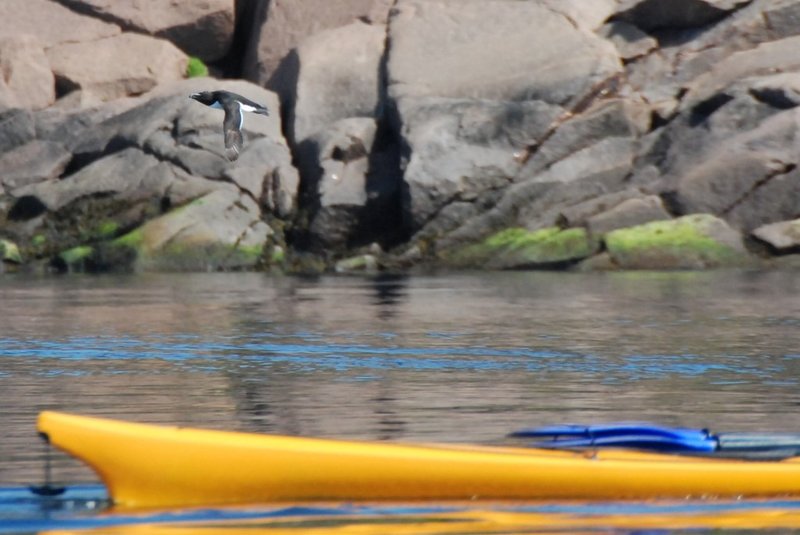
(464, 357)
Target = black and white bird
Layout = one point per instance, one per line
(234, 106)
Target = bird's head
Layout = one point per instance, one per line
(204, 97)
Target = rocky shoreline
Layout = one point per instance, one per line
(477, 134)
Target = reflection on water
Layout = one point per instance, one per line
(464, 357)
(634, 518)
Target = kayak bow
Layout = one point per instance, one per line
(152, 466)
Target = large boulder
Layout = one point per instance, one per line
(125, 65)
(51, 22)
(518, 248)
(203, 29)
(282, 26)
(585, 15)
(450, 48)
(219, 231)
(338, 78)
(27, 80)
(698, 241)
(464, 114)
(36, 161)
(783, 236)
(630, 212)
(764, 60)
(588, 158)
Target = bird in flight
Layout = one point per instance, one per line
(234, 106)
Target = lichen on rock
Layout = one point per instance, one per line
(695, 241)
(521, 248)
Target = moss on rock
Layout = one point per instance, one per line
(195, 68)
(520, 248)
(9, 252)
(691, 242)
(75, 259)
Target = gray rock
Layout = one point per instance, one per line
(631, 42)
(466, 117)
(584, 15)
(722, 183)
(765, 59)
(518, 248)
(51, 23)
(265, 171)
(628, 213)
(354, 184)
(339, 77)
(783, 236)
(16, 129)
(129, 172)
(36, 161)
(735, 164)
(279, 27)
(123, 65)
(702, 134)
(438, 49)
(461, 149)
(147, 188)
(203, 29)
(662, 77)
(698, 241)
(541, 202)
(27, 80)
(776, 199)
(594, 171)
(219, 231)
(608, 119)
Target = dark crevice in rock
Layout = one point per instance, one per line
(765, 249)
(284, 82)
(247, 22)
(26, 208)
(774, 97)
(80, 160)
(83, 8)
(653, 16)
(781, 168)
(701, 111)
(64, 86)
(672, 203)
(353, 152)
(606, 88)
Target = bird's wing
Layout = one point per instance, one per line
(254, 107)
(232, 127)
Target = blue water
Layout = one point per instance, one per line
(451, 358)
(86, 508)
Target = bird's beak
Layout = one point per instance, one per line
(194, 95)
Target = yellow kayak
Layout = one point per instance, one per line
(146, 465)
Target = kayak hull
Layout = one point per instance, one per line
(156, 466)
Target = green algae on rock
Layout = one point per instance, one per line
(697, 241)
(75, 257)
(521, 248)
(9, 252)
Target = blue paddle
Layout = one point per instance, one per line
(651, 437)
(621, 435)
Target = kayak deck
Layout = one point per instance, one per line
(146, 465)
